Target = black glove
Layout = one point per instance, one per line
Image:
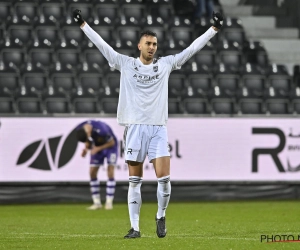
(218, 20)
(77, 17)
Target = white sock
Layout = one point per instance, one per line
(163, 195)
(110, 189)
(134, 201)
(95, 191)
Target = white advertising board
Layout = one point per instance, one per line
(202, 149)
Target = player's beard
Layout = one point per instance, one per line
(148, 57)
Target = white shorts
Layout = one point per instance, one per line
(141, 140)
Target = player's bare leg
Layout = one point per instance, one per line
(162, 170)
(110, 187)
(95, 188)
(134, 198)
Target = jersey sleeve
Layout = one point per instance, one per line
(179, 59)
(115, 59)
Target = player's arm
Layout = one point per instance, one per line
(113, 57)
(200, 42)
(108, 144)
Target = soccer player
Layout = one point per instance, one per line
(100, 140)
(143, 109)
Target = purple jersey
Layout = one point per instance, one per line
(101, 132)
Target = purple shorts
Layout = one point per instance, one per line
(111, 155)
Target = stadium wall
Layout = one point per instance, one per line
(211, 159)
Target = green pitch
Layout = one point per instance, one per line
(203, 225)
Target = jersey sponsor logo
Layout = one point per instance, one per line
(145, 78)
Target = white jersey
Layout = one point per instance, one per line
(143, 97)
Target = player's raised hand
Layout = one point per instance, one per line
(218, 20)
(77, 17)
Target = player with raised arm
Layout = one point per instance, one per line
(143, 109)
(100, 140)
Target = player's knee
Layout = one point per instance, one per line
(164, 179)
(135, 181)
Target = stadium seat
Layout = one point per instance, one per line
(55, 9)
(126, 35)
(9, 77)
(6, 101)
(107, 33)
(205, 57)
(182, 36)
(33, 76)
(40, 53)
(46, 31)
(255, 53)
(233, 31)
(107, 12)
(201, 83)
(280, 83)
(230, 55)
(56, 105)
(19, 31)
(68, 54)
(228, 83)
(223, 106)
(177, 82)
(163, 12)
(136, 11)
(12, 53)
(55, 101)
(93, 56)
(28, 101)
(85, 102)
(109, 105)
(71, 33)
(90, 78)
(249, 106)
(113, 82)
(295, 100)
(195, 106)
(277, 106)
(254, 82)
(5, 10)
(174, 107)
(62, 77)
(26, 8)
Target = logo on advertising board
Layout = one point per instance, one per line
(42, 162)
(48, 154)
(289, 143)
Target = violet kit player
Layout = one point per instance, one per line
(100, 140)
(143, 110)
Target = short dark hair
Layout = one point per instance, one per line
(148, 33)
(81, 135)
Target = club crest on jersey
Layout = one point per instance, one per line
(155, 68)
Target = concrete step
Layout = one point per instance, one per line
(258, 22)
(229, 2)
(282, 33)
(283, 51)
(237, 11)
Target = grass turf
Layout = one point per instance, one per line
(203, 225)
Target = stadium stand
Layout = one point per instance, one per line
(48, 66)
